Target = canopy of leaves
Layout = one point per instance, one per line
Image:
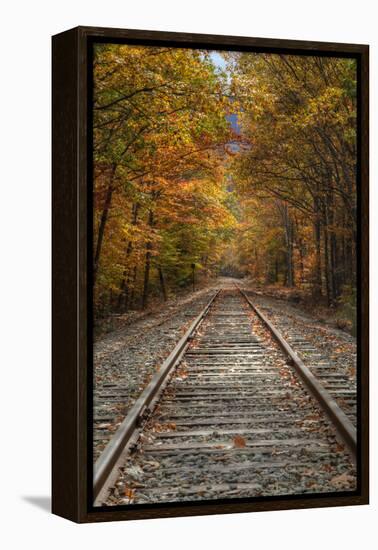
(177, 186)
(160, 136)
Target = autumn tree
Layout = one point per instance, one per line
(160, 131)
(298, 117)
(176, 184)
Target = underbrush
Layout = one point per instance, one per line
(347, 308)
(342, 315)
(113, 320)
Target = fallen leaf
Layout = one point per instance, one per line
(129, 493)
(157, 427)
(310, 484)
(312, 417)
(342, 479)
(239, 442)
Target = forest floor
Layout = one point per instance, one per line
(128, 355)
(300, 300)
(117, 322)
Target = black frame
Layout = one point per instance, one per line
(72, 465)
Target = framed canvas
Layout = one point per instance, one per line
(210, 274)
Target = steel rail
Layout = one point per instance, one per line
(344, 426)
(104, 465)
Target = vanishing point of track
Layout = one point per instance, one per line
(232, 412)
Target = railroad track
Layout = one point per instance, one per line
(124, 366)
(233, 412)
(334, 377)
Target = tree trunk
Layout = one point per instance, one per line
(103, 220)
(288, 225)
(301, 249)
(124, 288)
(317, 278)
(147, 264)
(327, 270)
(162, 283)
(256, 266)
(343, 258)
(333, 249)
(301, 261)
(129, 298)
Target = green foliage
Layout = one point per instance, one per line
(348, 306)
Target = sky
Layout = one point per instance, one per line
(218, 60)
(220, 63)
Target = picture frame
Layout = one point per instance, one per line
(72, 315)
